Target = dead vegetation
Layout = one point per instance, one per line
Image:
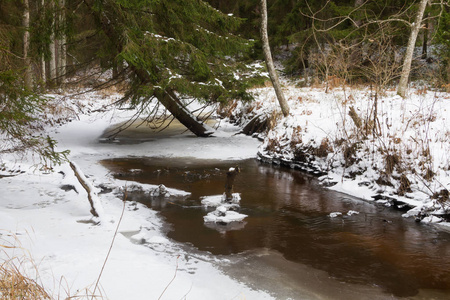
(15, 285)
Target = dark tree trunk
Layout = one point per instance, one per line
(231, 175)
(425, 40)
(173, 105)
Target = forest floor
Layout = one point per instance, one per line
(47, 231)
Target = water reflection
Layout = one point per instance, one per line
(289, 213)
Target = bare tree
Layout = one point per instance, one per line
(43, 67)
(269, 61)
(62, 55)
(415, 27)
(26, 44)
(52, 63)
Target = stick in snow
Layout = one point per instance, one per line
(86, 185)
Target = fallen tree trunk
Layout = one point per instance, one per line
(171, 102)
(87, 186)
(259, 123)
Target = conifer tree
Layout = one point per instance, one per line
(176, 49)
(20, 106)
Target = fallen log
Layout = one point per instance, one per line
(87, 186)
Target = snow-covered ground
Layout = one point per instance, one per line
(46, 225)
(45, 218)
(403, 159)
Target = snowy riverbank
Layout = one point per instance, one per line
(401, 160)
(45, 218)
(48, 232)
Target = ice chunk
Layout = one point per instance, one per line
(352, 212)
(222, 215)
(218, 200)
(335, 214)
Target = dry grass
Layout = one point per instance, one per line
(15, 285)
(20, 278)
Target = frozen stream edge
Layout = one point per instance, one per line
(55, 228)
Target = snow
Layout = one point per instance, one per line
(55, 232)
(414, 132)
(224, 213)
(335, 214)
(352, 212)
(219, 200)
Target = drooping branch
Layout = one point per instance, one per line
(165, 96)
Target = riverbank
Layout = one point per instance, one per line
(45, 216)
(375, 146)
(48, 233)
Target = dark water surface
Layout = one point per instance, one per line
(288, 213)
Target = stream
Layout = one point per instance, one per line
(289, 244)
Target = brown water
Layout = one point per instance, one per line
(288, 213)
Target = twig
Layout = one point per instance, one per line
(174, 275)
(112, 243)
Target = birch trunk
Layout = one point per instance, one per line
(43, 69)
(269, 62)
(403, 84)
(52, 63)
(62, 58)
(26, 44)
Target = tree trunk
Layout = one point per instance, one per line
(171, 102)
(62, 42)
(166, 97)
(425, 41)
(231, 175)
(401, 90)
(269, 62)
(26, 44)
(52, 63)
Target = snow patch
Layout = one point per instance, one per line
(335, 214)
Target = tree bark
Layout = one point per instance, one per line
(269, 62)
(62, 42)
(52, 63)
(171, 102)
(87, 186)
(231, 175)
(26, 44)
(401, 89)
(425, 40)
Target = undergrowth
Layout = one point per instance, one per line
(395, 145)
